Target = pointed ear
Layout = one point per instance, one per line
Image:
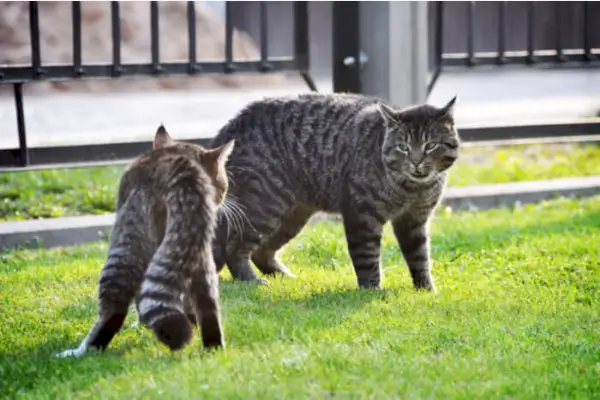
(220, 155)
(162, 138)
(387, 113)
(449, 109)
(225, 151)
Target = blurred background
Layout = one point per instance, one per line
(85, 84)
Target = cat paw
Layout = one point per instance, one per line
(78, 352)
(262, 281)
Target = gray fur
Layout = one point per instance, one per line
(338, 153)
(160, 257)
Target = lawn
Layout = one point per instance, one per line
(517, 316)
(63, 192)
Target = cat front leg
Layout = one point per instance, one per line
(413, 237)
(363, 235)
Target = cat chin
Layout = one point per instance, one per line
(419, 179)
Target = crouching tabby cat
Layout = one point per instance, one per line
(158, 254)
(338, 153)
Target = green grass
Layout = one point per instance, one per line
(58, 192)
(482, 165)
(517, 316)
(66, 192)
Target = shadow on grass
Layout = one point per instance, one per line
(266, 317)
(253, 315)
(37, 370)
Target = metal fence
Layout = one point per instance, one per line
(469, 34)
(475, 33)
(19, 75)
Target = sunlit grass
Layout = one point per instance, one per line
(517, 316)
(81, 191)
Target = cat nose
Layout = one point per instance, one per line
(416, 159)
(417, 163)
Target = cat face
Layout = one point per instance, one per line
(212, 160)
(420, 142)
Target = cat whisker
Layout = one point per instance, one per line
(231, 217)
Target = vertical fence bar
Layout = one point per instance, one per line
(23, 150)
(264, 37)
(228, 37)
(438, 45)
(558, 19)
(586, 33)
(115, 20)
(302, 43)
(155, 34)
(501, 59)
(470, 34)
(530, 32)
(76, 19)
(191, 21)
(346, 47)
(34, 30)
(439, 33)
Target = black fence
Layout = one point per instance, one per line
(462, 34)
(468, 34)
(19, 75)
(472, 33)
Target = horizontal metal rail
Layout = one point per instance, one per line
(121, 153)
(18, 75)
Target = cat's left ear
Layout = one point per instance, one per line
(449, 109)
(162, 138)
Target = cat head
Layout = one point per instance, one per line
(212, 160)
(420, 141)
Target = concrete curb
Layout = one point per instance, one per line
(71, 231)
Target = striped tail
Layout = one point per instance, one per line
(181, 258)
(161, 306)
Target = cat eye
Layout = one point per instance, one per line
(430, 146)
(403, 148)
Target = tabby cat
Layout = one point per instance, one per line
(158, 254)
(340, 153)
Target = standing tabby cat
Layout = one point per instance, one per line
(158, 254)
(338, 153)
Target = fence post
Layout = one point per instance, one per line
(394, 38)
(346, 47)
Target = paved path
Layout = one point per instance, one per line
(487, 96)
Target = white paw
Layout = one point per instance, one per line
(135, 325)
(78, 352)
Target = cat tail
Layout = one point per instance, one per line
(180, 258)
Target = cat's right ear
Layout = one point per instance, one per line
(218, 157)
(225, 151)
(388, 113)
(162, 138)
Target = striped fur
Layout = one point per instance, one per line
(339, 153)
(158, 255)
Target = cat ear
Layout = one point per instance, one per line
(162, 138)
(449, 109)
(225, 151)
(220, 155)
(387, 113)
